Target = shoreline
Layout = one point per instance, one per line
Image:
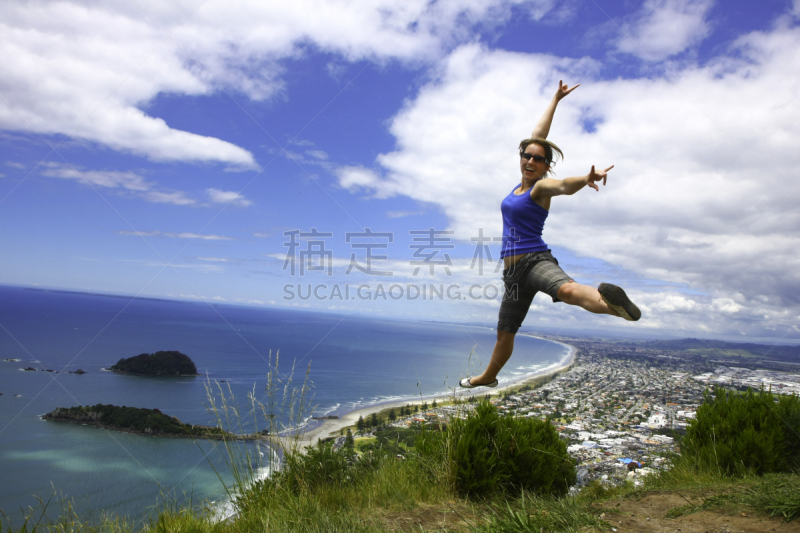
(332, 427)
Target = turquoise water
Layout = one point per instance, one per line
(355, 361)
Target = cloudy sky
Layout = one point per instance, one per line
(249, 152)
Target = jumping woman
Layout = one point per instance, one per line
(529, 265)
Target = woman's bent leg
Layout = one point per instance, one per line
(586, 297)
(500, 356)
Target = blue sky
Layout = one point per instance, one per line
(165, 150)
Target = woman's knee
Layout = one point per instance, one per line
(566, 293)
(505, 337)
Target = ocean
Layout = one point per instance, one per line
(354, 362)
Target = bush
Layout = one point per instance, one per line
(320, 466)
(740, 432)
(487, 452)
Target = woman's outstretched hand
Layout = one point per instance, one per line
(564, 89)
(543, 126)
(595, 175)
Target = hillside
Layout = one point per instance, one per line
(789, 354)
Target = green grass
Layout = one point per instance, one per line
(773, 495)
(707, 488)
(372, 500)
(348, 503)
(369, 490)
(533, 513)
(776, 495)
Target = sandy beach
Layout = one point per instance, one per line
(328, 428)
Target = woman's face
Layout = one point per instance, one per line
(533, 170)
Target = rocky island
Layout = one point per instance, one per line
(162, 363)
(149, 422)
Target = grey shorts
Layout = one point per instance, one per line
(535, 272)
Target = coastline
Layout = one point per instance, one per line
(332, 427)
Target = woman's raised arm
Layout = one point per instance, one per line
(543, 126)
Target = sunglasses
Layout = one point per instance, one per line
(536, 157)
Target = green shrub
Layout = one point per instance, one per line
(320, 466)
(751, 431)
(486, 452)
(532, 513)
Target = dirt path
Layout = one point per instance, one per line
(649, 513)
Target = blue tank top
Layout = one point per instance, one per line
(523, 222)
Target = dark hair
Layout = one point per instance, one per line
(546, 145)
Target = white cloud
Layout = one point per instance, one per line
(673, 303)
(174, 197)
(249, 301)
(303, 142)
(112, 179)
(353, 178)
(563, 12)
(197, 297)
(338, 263)
(184, 235)
(199, 268)
(703, 195)
(129, 181)
(540, 9)
(726, 306)
(335, 70)
(292, 156)
(143, 189)
(228, 197)
(187, 235)
(401, 214)
(664, 28)
(88, 70)
(318, 154)
(139, 233)
(83, 71)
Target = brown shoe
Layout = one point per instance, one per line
(617, 300)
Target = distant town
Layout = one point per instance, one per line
(621, 405)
